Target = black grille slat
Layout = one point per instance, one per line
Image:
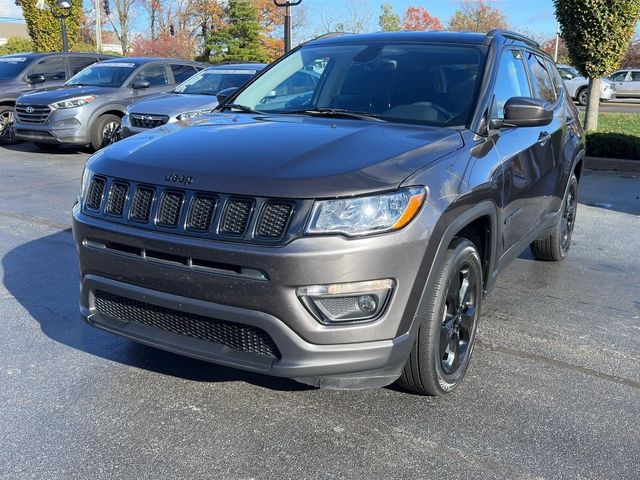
(117, 199)
(95, 193)
(170, 209)
(237, 336)
(33, 113)
(141, 205)
(201, 213)
(274, 219)
(236, 217)
(141, 120)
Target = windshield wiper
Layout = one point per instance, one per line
(337, 112)
(237, 106)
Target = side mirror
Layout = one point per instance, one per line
(566, 76)
(525, 112)
(222, 95)
(140, 84)
(36, 78)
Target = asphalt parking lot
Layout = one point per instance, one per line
(553, 390)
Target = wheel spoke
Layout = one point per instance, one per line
(467, 320)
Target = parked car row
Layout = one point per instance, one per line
(621, 84)
(85, 99)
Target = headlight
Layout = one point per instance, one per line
(74, 102)
(86, 176)
(193, 114)
(366, 215)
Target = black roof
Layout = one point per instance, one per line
(48, 54)
(469, 38)
(143, 60)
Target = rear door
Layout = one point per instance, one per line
(634, 83)
(78, 63)
(182, 72)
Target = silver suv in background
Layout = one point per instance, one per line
(578, 86)
(627, 83)
(87, 110)
(194, 97)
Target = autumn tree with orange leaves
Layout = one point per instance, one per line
(477, 16)
(418, 18)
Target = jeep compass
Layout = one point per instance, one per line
(342, 232)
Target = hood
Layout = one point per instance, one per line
(290, 156)
(50, 95)
(172, 104)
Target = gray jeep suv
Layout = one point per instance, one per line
(87, 110)
(25, 72)
(347, 236)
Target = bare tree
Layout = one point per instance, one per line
(122, 23)
(358, 17)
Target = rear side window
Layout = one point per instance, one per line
(511, 81)
(77, 64)
(182, 72)
(51, 67)
(635, 76)
(156, 75)
(540, 78)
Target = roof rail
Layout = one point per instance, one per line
(329, 35)
(509, 34)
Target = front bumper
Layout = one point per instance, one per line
(355, 355)
(62, 127)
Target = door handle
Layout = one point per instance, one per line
(570, 120)
(544, 137)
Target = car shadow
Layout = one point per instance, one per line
(29, 147)
(43, 277)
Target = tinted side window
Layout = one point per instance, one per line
(555, 76)
(79, 63)
(156, 75)
(619, 76)
(52, 68)
(635, 76)
(182, 72)
(542, 84)
(511, 81)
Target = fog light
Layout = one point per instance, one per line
(347, 302)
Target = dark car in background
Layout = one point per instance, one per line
(87, 110)
(24, 72)
(192, 98)
(343, 235)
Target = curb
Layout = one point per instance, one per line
(600, 163)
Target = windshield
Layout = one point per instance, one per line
(427, 84)
(112, 74)
(10, 67)
(211, 81)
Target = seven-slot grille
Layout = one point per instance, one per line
(32, 113)
(142, 120)
(190, 212)
(237, 336)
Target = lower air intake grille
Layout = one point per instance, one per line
(245, 338)
(274, 219)
(235, 217)
(201, 214)
(94, 195)
(170, 208)
(141, 205)
(117, 198)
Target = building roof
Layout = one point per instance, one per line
(13, 29)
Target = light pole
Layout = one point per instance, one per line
(65, 5)
(287, 4)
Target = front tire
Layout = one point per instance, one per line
(7, 125)
(106, 131)
(440, 355)
(556, 246)
(583, 96)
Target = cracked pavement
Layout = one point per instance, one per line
(553, 390)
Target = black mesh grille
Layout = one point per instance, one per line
(235, 217)
(117, 198)
(201, 213)
(94, 195)
(170, 208)
(274, 219)
(147, 121)
(241, 337)
(141, 205)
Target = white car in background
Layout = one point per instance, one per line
(578, 86)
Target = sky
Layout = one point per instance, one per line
(529, 15)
